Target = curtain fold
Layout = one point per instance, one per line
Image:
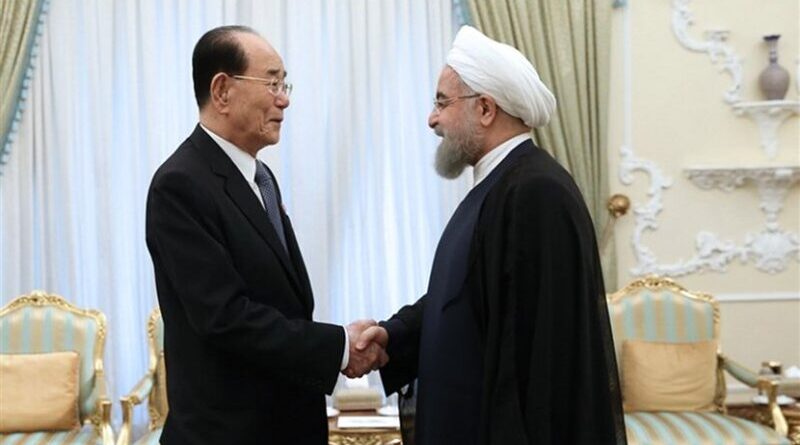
(112, 97)
(20, 24)
(568, 42)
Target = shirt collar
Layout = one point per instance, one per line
(241, 159)
(496, 155)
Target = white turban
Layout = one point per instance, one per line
(502, 72)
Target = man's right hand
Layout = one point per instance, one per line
(373, 334)
(369, 356)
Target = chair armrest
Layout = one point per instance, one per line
(740, 372)
(769, 387)
(102, 418)
(141, 391)
(138, 394)
(790, 387)
(106, 432)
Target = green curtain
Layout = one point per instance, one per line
(568, 41)
(20, 21)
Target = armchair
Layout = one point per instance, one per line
(41, 323)
(659, 310)
(151, 387)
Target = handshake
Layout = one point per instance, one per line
(367, 348)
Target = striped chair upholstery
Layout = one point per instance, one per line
(85, 436)
(659, 310)
(42, 323)
(696, 428)
(151, 387)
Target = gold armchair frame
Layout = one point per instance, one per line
(771, 388)
(738, 371)
(101, 418)
(143, 389)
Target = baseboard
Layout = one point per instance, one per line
(758, 297)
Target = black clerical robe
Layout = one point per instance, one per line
(535, 296)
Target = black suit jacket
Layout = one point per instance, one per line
(245, 363)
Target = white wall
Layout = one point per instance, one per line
(667, 106)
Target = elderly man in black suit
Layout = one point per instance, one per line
(245, 362)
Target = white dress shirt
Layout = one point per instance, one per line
(241, 159)
(247, 166)
(495, 156)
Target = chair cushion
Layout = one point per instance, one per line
(52, 328)
(664, 315)
(668, 376)
(86, 436)
(676, 428)
(151, 438)
(39, 392)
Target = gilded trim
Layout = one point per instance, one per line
(359, 438)
(156, 419)
(129, 401)
(124, 435)
(656, 283)
(770, 388)
(39, 298)
(152, 337)
(101, 417)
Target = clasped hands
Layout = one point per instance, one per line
(367, 347)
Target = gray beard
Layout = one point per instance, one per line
(455, 153)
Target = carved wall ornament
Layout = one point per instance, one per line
(646, 214)
(770, 249)
(714, 45)
(768, 116)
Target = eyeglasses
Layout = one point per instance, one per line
(441, 104)
(274, 86)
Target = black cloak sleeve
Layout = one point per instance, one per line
(550, 368)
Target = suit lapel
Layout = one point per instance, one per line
(242, 195)
(299, 265)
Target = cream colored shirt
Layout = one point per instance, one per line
(495, 156)
(247, 166)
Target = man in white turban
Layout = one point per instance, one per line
(512, 343)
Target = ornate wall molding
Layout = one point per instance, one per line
(770, 249)
(714, 45)
(761, 296)
(646, 214)
(768, 115)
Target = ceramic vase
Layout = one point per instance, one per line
(774, 80)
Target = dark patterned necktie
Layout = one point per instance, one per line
(266, 186)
